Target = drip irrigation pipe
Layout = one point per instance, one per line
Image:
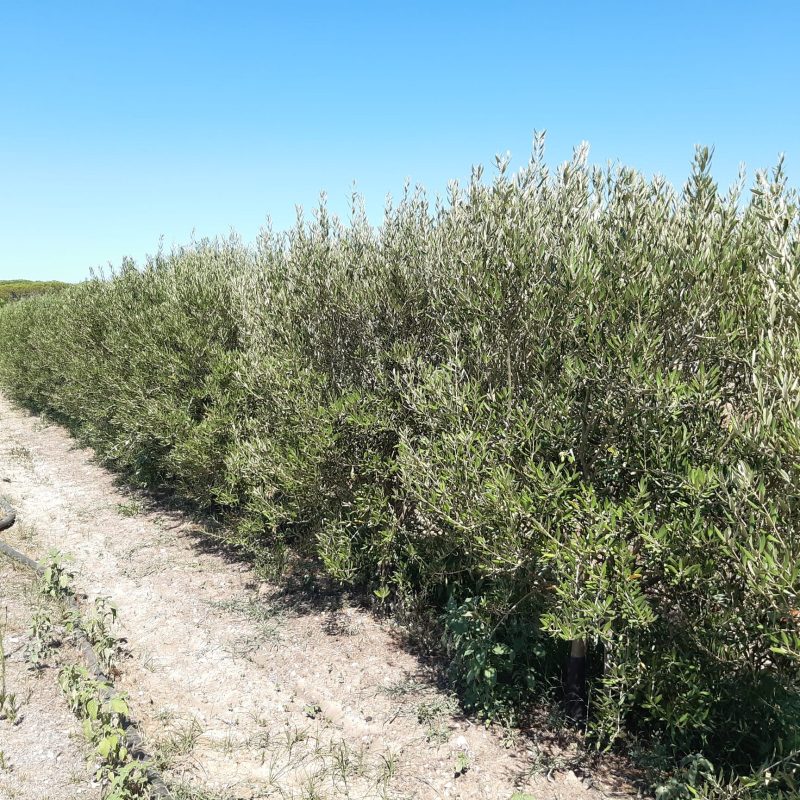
(133, 739)
(9, 514)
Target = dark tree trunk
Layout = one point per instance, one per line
(575, 688)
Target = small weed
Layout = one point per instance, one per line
(230, 744)
(40, 645)
(184, 791)
(56, 580)
(251, 608)
(389, 768)
(340, 758)
(259, 741)
(294, 737)
(462, 764)
(133, 508)
(9, 707)
(179, 741)
(150, 662)
(25, 532)
(259, 613)
(96, 627)
(403, 688)
(312, 789)
(433, 714)
(165, 715)
(20, 454)
(346, 762)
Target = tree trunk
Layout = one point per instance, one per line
(575, 689)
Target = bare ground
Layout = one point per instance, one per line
(42, 754)
(243, 691)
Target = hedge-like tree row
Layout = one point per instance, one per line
(555, 406)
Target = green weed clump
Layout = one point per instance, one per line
(554, 406)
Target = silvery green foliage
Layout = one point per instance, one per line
(553, 406)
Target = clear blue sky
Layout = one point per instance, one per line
(123, 122)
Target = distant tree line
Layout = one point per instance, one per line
(17, 289)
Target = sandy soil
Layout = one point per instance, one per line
(42, 753)
(243, 690)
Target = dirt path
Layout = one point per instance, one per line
(240, 691)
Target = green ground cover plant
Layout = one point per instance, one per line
(104, 715)
(556, 405)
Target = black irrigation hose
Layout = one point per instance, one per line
(133, 739)
(10, 514)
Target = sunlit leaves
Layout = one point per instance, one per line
(554, 405)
